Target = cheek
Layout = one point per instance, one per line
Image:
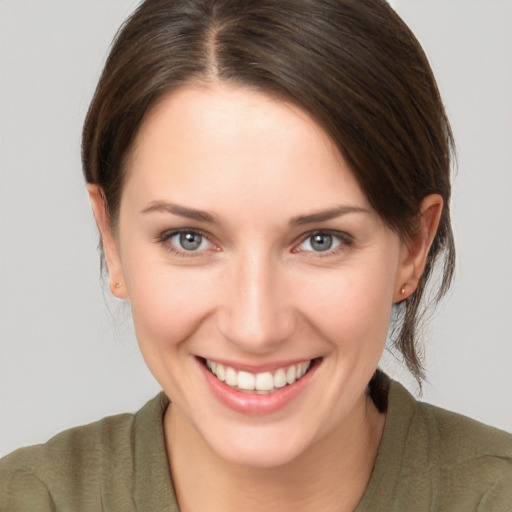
(168, 303)
(351, 307)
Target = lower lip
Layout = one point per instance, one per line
(251, 403)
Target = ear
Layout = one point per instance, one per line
(415, 251)
(115, 270)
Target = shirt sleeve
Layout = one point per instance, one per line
(21, 491)
(499, 497)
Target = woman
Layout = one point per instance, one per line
(271, 184)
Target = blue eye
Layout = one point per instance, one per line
(321, 242)
(188, 241)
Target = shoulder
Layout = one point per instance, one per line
(474, 459)
(74, 459)
(471, 463)
(460, 436)
(71, 468)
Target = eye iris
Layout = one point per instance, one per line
(190, 241)
(321, 242)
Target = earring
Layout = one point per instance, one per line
(117, 286)
(402, 290)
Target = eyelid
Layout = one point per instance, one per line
(346, 240)
(165, 237)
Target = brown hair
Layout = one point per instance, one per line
(352, 64)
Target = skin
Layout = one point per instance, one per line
(257, 293)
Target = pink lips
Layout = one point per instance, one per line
(252, 403)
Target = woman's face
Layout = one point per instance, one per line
(245, 245)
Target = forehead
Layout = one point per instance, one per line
(228, 142)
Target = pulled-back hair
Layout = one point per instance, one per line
(353, 65)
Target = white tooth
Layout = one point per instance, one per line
(220, 372)
(306, 366)
(298, 370)
(280, 378)
(246, 380)
(231, 377)
(208, 364)
(213, 367)
(264, 381)
(290, 375)
(302, 369)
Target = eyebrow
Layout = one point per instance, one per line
(181, 211)
(325, 215)
(203, 216)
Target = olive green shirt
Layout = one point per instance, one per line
(429, 460)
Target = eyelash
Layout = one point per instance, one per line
(345, 240)
(165, 240)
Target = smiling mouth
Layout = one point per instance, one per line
(259, 383)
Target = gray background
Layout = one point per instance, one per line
(67, 354)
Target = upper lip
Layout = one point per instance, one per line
(258, 368)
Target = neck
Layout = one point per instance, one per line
(330, 475)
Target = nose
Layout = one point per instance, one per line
(256, 313)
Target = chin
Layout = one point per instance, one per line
(259, 446)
